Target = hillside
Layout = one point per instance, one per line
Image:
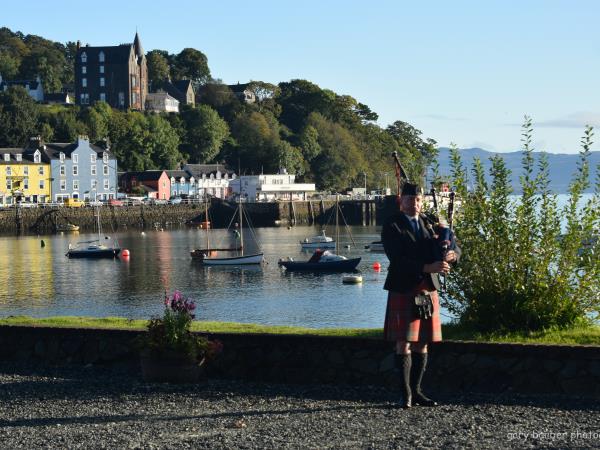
(562, 166)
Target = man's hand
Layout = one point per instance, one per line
(437, 267)
(450, 256)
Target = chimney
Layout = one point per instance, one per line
(78, 44)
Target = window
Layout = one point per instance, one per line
(105, 170)
(132, 81)
(40, 170)
(101, 56)
(83, 57)
(94, 184)
(93, 157)
(93, 169)
(105, 158)
(101, 69)
(102, 81)
(121, 99)
(75, 158)
(75, 171)
(42, 184)
(9, 184)
(102, 97)
(26, 170)
(8, 171)
(134, 98)
(62, 170)
(85, 99)
(84, 69)
(19, 157)
(37, 158)
(7, 157)
(75, 185)
(84, 82)
(25, 183)
(105, 184)
(61, 156)
(63, 185)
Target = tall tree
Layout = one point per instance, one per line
(158, 67)
(162, 143)
(205, 133)
(18, 117)
(193, 65)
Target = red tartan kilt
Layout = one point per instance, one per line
(401, 324)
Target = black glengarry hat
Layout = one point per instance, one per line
(411, 189)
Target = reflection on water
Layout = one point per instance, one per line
(42, 282)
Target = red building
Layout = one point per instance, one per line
(155, 183)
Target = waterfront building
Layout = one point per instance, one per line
(154, 183)
(24, 176)
(80, 170)
(117, 75)
(211, 179)
(182, 183)
(33, 87)
(161, 102)
(269, 188)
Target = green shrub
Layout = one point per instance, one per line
(519, 271)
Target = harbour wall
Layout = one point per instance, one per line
(45, 220)
(454, 365)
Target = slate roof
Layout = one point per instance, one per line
(198, 169)
(148, 175)
(178, 174)
(112, 54)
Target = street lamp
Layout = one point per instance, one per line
(365, 174)
(386, 182)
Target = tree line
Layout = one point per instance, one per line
(320, 135)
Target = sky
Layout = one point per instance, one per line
(462, 72)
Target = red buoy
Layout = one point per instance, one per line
(125, 252)
(376, 266)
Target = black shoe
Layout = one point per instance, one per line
(422, 400)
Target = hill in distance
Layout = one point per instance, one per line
(562, 167)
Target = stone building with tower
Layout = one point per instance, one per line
(117, 75)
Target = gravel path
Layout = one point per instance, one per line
(96, 407)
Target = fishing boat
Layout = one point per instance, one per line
(209, 256)
(318, 241)
(95, 248)
(323, 260)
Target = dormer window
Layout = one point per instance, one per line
(84, 57)
(101, 57)
(172, 180)
(105, 158)
(19, 157)
(182, 180)
(7, 157)
(84, 69)
(204, 176)
(61, 156)
(75, 158)
(212, 176)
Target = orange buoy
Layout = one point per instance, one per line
(125, 252)
(376, 266)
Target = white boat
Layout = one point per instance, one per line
(319, 241)
(242, 259)
(375, 246)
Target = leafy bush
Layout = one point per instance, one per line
(519, 270)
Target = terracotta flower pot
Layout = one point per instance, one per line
(172, 368)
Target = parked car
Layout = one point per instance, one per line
(175, 201)
(114, 202)
(93, 203)
(74, 203)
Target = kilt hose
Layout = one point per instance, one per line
(401, 323)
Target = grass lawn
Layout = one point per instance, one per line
(580, 335)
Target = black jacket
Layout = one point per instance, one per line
(409, 253)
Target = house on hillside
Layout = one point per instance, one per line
(242, 92)
(117, 75)
(269, 188)
(182, 90)
(155, 183)
(161, 102)
(182, 183)
(33, 87)
(60, 98)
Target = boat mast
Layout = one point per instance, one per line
(206, 221)
(241, 226)
(337, 228)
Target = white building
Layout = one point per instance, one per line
(270, 188)
(34, 87)
(209, 179)
(161, 102)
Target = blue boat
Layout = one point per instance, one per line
(322, 261)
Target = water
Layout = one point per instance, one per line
(43, 282)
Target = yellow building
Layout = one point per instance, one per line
(24, 176)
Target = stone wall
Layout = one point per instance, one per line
(465, 366)
(45, 220)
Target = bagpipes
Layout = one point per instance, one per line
(444, 237)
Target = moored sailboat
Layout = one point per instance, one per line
(94, 248)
